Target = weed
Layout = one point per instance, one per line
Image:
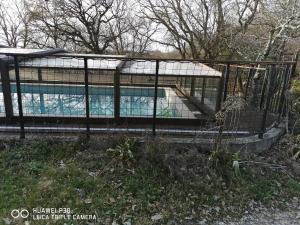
(123, 153)
(236, 164)
(221, 161)
(31, 180)
(154, 153)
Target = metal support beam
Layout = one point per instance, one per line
(192, 92)
(282, 109)
(40, 76)
(155, 98)
(117, 95)
(227, 71)
(4, 70)
(19, 95)
(203, 90)
(87, 101)
(294, 68)
(264, 87)
(249, 78)
(220, 92)
(235, 86)
(42, 100)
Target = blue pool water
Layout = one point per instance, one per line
(63, 100)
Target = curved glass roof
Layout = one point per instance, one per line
(71, 63)
(169, 68)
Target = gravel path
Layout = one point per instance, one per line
(279, 218)
(264, 216)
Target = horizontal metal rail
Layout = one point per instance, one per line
(91, 84)
(36, 129)
(108, 120)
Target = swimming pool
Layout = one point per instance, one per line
(69, 100)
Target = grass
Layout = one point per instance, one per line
(119, 187)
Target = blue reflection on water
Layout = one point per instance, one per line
(70, 100)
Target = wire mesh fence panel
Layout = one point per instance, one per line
(51, 89)
(248, 88)
(137, 89)
(90, 93)
(200, 85)
(281, 75)
(101, 89)
(174, 103)
(183, 87)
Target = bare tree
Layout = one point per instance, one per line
(15, 24)
(282, 20)
(199, 27)
(142, 32)
(89, 23)
(136, 38)
(250, 29)
(46, 22)
(275, 27)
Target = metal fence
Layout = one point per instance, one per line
(91, 93)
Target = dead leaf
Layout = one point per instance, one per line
(112, 200)
(156, 217)
(88, 201)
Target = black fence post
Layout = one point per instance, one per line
(235, 80)
(192, 92)
(40, 76)
(227, 71)
(281, 110)
(42, 100)
(294, 68)
(155, 98)
(117, 95)
(250, 74)
(203, 90)
(220, 92)
(19, 95)
(264, 88)
(4, 70)
(269, 95)
(87, 100)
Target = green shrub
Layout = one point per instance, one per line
(123, 153)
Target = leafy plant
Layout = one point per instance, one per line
(220, 160)
(225, 164)
(236, 164)
(123, 153)
(34, 167)
(236, 168)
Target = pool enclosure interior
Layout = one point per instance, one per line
(53, 90)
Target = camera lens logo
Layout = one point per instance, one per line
(23, 213)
